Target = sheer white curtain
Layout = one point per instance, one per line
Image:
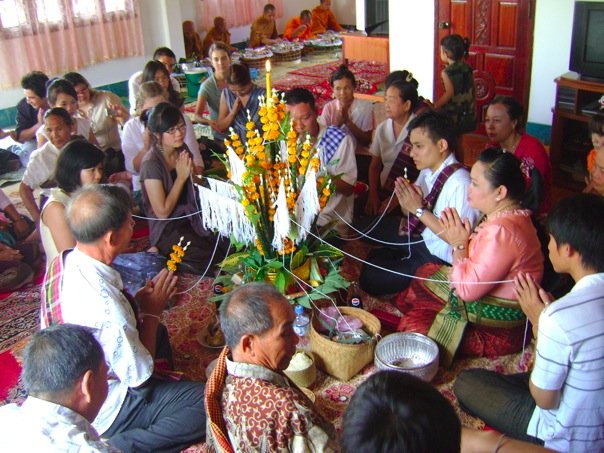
(56, 36)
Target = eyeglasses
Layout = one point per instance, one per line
(182, 127)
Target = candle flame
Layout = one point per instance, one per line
(268, 66)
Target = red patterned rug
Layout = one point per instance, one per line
(368, 74)
(10, 373)
(191, 314)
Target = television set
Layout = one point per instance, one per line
(587, 45)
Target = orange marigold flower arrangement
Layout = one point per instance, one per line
(281, 189)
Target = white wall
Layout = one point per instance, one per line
(345, 11)
(551, 52)
(412, 40)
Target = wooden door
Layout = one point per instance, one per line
(501, 46)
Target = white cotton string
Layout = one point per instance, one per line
(363, 235)
(167, 219)
(371, 228)
(209, 262)
(207, 267)
(350, 329)
(402, 274)
(522, 357)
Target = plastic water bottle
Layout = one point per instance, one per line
(301, 326)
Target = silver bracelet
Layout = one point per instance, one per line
(150, 315)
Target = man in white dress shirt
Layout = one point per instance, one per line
(141, 413)
(65, 375)
(442, 183)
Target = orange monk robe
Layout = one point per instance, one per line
(214, 35)
(262, 28)
(193, 47)
(291, 27)
(323, 20)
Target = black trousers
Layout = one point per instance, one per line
(503, 402)
(378, 282)
(160, 416)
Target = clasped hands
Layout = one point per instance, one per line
(153, 297)
(455, 231)
(410, 197)
(532, 298)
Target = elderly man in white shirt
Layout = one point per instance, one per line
(59, 127)
(65, 375)
(141, 413)
(442, 183)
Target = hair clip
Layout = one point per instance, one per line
(409, 77)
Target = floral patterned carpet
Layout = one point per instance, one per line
(192, 313)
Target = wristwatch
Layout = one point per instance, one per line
(419, 212)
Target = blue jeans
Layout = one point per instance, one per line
(503, 402)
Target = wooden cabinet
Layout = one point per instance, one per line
(358, 46)
(576, 103)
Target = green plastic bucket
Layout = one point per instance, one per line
(194, 78)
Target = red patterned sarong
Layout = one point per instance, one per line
(420, 306)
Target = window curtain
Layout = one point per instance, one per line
(235, 12)
(56, 36)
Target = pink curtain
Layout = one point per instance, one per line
(235, 12)
(56, 36)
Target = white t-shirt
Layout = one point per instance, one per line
(41, 166)
(454, 194)
(570, 358)
(342, 163)
(386, 146)
(361, 114)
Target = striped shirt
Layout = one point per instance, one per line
(570, 358)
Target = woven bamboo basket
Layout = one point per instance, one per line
(292, 55)
(341, 360)
(257, 63)
(305, 377)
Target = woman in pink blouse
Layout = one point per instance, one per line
(485, 261)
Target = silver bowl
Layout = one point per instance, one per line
(408, 352)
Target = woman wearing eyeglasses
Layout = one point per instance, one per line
(169, 195)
